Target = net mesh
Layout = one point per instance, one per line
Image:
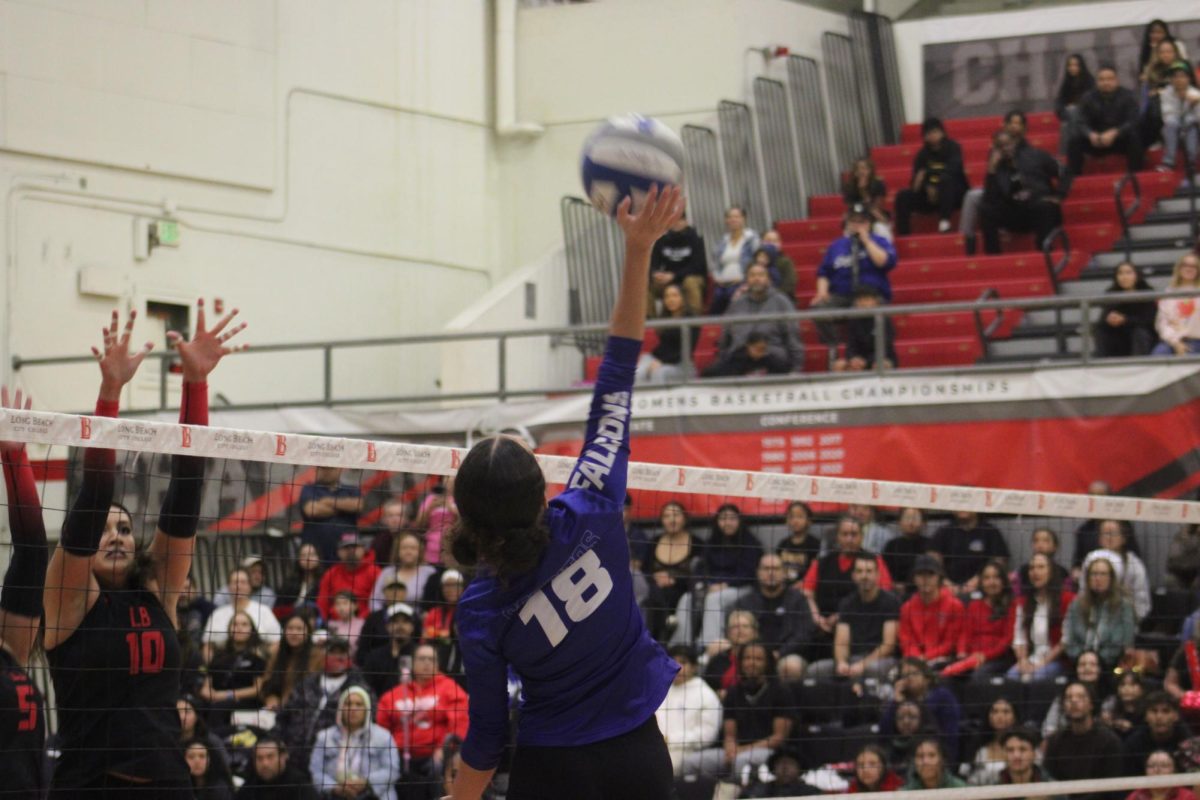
(981, 606)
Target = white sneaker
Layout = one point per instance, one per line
(943, 226)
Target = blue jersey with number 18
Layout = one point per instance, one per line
(570, 628)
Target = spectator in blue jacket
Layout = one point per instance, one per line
(857, 259)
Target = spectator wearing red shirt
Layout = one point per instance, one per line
(831, 577)
(438, 626)
(987, 631)
(355, 572)
(421, 713)
(931, 620)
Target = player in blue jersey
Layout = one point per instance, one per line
(553, 599)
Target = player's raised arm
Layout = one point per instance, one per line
(25, 578)
(603, 462)
(172, 549)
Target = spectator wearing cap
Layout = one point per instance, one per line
(1101, 617)
(374, 632)
(1021, 191)
(1108, 123)
(260, 592)
(690, 715)
(931, 620)
(438, 624)
(858, 258)
(1021, 757)
(391, 664)
(779, 339)
(265, 622)
(1180, 103)
(329, 509)
(787, 767)
(353, 572)
(939, 180)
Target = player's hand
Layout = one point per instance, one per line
(206, 349)
(117, 364)
(19, 402)
(658, 213)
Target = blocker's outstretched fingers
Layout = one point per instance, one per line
(225, 320)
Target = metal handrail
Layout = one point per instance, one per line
(1128, 179)
(985, 333)
(1189, 171)
(503, 336)
(1055, 268)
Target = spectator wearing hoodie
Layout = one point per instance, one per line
(678, 259)
(931, 620)
(355, 756)
(420, 713)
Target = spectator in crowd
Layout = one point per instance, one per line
(393, 520)
(755, 357)
(261, 617)
(901, 552)
(665, 363)
(1087, 535)
(1126, 329)
(730, 258)
(345, 622)
(260, 592)
(1100, 618)
(406, 564)
(1021, 758)
(374, 632)
(939, 180)
(273, 778)
(721, 670)
(329, 509)
(784, 620)
(830, 578)
(1088, 672)
(863, 187)
(1183, 558)
(1045, 541)
(191, 613)
(1162, 730)
(438, 514)
(872, 773)
(912, 726)
(1126, 708)
(931, 620)
(1085, 748)
(421, 713)
(860, 335)
(1038, 628)
(918, 683)
(438, 625)
(1161, 762)
(1178, 321)
(784, 350)
(298, 592)
(1152, 35)
(1180, 103)
(1020, 193)
(727, 562)
(876, 534)
(930, 768)
(690, 714)
(1076, 81)
(987, 631)
(670, 567)
(1183, 670)
(965, 545)
(387, 666)
(192, 727)
(857, 258)
(1157, 76)
(205, 786)
(236, 674)
(783, 269)
(864, 642)
(801, 547)
(785, 766)
(1132, 571)
(990, 759)
(355, 757)
(679, 260)
(296, 656)
(353, 573)
(1108, 123)
(968, 220)
(312, 705)
(757, 719)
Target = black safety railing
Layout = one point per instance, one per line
(1057, 239)
(1125, 213)
(1189, 170)
(983, 331)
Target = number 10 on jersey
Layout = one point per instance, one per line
(580, 602)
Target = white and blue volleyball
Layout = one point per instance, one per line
(625, 155)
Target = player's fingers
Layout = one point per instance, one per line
(174, 338)
(4, 396)
(99, 356)
(28, 402)
(128, 328)
(112, 324)
(200, 315)
(225, 320)
(623, 208)
(225, 337)
(16, 400)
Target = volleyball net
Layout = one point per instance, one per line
(740, 574)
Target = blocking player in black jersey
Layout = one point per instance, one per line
(110, 608)
(22, 716)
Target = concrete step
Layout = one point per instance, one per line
(1171, 231)
(1030, 349)
(1148, 257)
(1045, 318)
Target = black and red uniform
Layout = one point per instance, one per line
(116, 680)
(22, 731)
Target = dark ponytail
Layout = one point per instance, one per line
(501, 497)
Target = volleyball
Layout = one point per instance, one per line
(625, 155)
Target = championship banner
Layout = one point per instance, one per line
(991, 76)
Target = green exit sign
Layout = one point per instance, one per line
(166, 233)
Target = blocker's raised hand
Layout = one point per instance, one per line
(17, 403)
(117, 364)
(658, 213)
(208, 346)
